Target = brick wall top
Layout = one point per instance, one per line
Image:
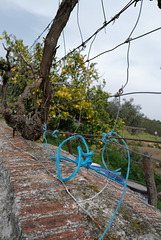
(41, 207)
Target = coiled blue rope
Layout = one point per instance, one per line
(87, 163)
(80, 162)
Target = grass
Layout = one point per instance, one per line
(159, 205)
(140, 135)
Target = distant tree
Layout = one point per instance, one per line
(132, 116)
(129, 112)
(152, 126)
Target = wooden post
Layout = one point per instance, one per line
(69, 143)
(14, 130)
(149, 178)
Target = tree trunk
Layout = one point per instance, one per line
(5, 66)
(49, 52)
(31, 127)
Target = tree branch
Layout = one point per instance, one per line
(7, 54)
(29, 64)
(34, 85)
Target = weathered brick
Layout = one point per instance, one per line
(46, 211)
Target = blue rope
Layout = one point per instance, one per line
(109, 173)
(106, 139)
(125, 185)
(115, 175)
(79, 161)
(54, 133)
(46, 143)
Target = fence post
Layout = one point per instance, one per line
(149, 178)
(67, 135)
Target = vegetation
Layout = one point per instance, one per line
(71, 80)
(132, 116)
(30, 124)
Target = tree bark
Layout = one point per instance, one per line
(6, 67)
(49, 52)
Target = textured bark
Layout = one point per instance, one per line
(30, 128)
(5, 66)
(49, 52)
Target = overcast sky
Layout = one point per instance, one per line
(28, 18)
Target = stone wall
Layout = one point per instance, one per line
(35, 204)
(9, 226)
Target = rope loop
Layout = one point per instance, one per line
(54, 134)
(86, 160)
(46, 142)
(107, 136)
(79, 161)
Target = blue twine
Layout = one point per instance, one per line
(46, 143)
(106, 140)
(107, 137)
(109, 173)
(115, 175)
(124, 189)
(80, 162)
(54, 133)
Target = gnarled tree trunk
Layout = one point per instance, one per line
(31, 128)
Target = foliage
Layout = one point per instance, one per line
(129, 112)
(132, 116)
(21, 73)
(82, 103)
(158, 182)
(78, 98)
(152, 126)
